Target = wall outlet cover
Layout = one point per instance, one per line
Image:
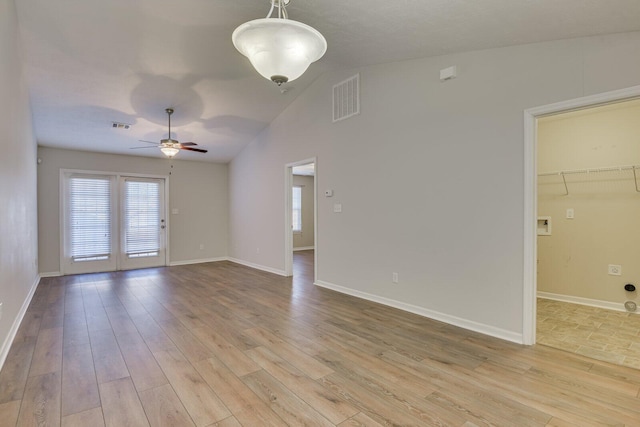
(614, 270)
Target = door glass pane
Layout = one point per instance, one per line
(141, 218)
(90, 218)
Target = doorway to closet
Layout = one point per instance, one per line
(588, 226)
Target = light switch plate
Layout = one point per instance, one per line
(570, 213)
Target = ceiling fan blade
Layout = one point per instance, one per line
(148, 142)
(147, 146)
(188, 144)
(195, 149)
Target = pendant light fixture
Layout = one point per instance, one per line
(279, 48)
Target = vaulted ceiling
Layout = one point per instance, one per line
(91, 63)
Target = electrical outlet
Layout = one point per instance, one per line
(201, 246)
(394, 277)
(615, 270)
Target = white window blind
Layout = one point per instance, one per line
(142, 218)
(297, 209)
(90, 217)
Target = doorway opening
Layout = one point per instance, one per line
(589, 197)
(300, 214)
(532, 184)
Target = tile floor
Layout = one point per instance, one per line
(607, 335)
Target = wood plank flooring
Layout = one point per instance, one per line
(220, 344)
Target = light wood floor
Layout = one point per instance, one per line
(608, 335)
(221, 344)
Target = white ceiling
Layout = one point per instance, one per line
(90, 63)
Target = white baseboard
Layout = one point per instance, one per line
(198, 261)
(6, 345)
(617, 306)
(51, 274)
(258, 266)
(431, 314)
(304, 248)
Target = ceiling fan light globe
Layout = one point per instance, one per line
(279, 49)
(169, 151)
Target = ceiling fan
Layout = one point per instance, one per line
(171, 147)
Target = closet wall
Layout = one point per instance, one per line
(573, 261)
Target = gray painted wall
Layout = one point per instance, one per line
(441, 199)
(18, 220)
(197, 189)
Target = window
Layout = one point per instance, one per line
(90, 217)
(141, 218)
(296, 219)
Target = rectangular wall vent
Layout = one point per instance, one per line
(346, 98)
(117, 125)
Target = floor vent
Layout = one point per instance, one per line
(346, 98)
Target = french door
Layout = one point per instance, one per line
(112, 222)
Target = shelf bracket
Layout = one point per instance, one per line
(635, 180)
(564, 180)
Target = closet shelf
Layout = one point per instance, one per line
(564, 173)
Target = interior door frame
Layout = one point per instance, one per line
(116, 210)
(531, 116)
(288, 208)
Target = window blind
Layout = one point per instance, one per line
(142, 218)
(296, 219)
(90, 217)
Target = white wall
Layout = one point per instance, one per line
(573, 260)
(305, 238)
(441, 198)
(198, 190)
(18, 221)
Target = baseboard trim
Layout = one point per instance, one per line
(6, 345)
(198, 261)
(583, 301)
(304, 248)
(258, 266)
(51, 274)
(431, 314)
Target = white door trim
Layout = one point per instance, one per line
(288, 202)
(531, 193)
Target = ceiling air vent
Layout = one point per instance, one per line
(346, 98)
(117, 125)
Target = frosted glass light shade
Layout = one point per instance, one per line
(169, 151)
(280, 50)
